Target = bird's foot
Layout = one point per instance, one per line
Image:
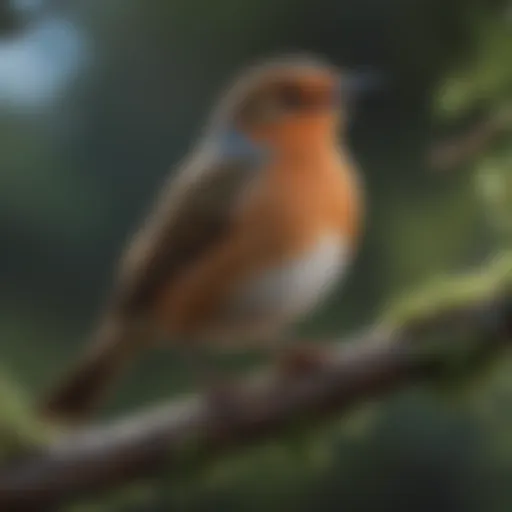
(299, 361)
(222, 397)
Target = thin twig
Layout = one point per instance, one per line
(462, 149)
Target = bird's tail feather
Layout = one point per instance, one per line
(85, 387)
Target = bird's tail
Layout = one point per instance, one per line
(113, 348)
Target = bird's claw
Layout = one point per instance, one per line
(300, 361)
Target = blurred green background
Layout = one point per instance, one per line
(98, 98)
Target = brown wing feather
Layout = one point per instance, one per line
(191, 216)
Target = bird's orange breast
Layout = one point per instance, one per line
(296, 207)
(306, 195)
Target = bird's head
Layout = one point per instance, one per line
(286, 103)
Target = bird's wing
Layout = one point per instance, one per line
(192, 216)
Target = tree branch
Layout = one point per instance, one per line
(192, 431)
(460, 150)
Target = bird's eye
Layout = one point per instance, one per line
(290, 96)
(273, 103)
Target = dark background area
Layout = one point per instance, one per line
(99, 98)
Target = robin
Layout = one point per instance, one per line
(251, 232)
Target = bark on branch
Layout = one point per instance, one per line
(192, 431)
(461, 149)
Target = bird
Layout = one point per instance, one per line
(248, 236)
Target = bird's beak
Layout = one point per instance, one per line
(361, 84)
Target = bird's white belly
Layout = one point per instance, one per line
(284, 293)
